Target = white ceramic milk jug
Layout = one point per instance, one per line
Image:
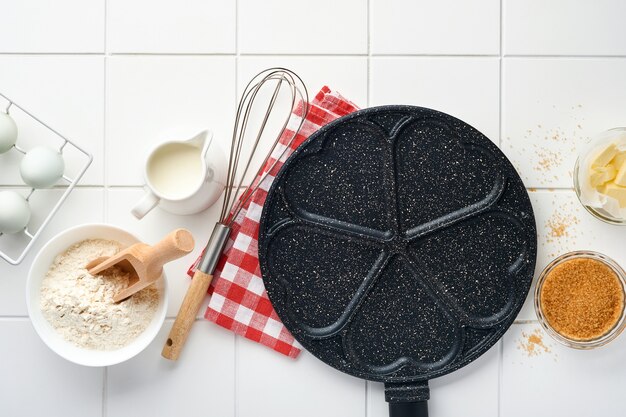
(183, 177)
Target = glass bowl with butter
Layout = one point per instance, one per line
(600, 176)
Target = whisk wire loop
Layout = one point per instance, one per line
(237, 174)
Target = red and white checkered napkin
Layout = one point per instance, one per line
(239, 301)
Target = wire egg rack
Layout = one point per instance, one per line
(21, 243)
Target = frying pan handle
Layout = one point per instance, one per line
(407, 399)
(413, 409)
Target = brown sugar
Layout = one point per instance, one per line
(557, 229)
(560, 225)
(532, 344)
(582, 299)
(547, 160)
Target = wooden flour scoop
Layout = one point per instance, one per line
(144, 262)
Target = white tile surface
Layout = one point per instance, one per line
(158, 69)
(154, 227)
(562, 27)
(435, 27)
(162, 27)
(300, 27)
(65, 92)
(34, 381)
(562, 382)
(478, 381)
(272, 384)
(552, 106)
(563, 225)
(200, 384)
(442, 84)
(147, 97)
(84, 205)
(52, 26)
(348, 75)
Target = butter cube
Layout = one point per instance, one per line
(618, 159)
(620, 177)
(600, 175)
(615, 191)
(605, 156)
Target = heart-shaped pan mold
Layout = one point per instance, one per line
(397, 244)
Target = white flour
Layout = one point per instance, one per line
(80, 306)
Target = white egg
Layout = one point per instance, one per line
(14, 212)
(8, 132)
(42, 167)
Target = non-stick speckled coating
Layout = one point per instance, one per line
(397, 244)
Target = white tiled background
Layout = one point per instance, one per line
(538, 77)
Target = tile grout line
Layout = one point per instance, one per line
(557, 56)
(316, 55)
(369, 52)
(320, 55)
(550, 189)
(51, 53)
(191, 54)
(366, 397)
(105, 181)
(500, 375)
(430, 55)
(526, 321)
(500, 92)
(105, 379)
(104, 40)
(235, 374)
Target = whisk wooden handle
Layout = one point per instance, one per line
(186, 315)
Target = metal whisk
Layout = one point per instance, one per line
(238, 169)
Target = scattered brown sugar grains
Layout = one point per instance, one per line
(547, 160)
(560, 227)
(532, 344)
(582, 299)
(552, 146)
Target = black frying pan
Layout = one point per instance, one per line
(398, 244)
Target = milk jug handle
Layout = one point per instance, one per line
(145, 205)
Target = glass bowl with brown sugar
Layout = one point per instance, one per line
(579, 299)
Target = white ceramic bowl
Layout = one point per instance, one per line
(48, 334)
